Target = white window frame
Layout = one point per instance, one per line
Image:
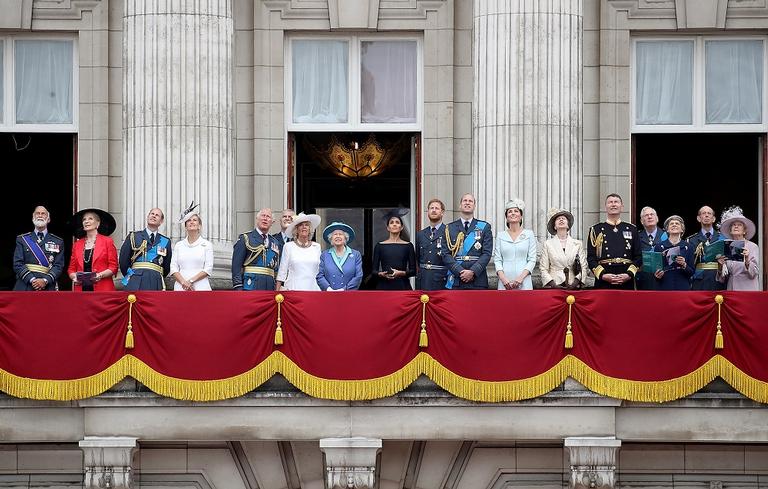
(8, 122)
(699, 124)
(354, 87)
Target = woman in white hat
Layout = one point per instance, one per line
(192, 257)
(563, 260)
(739, 275)
(514, 254)
(300, 259)
(341, 267)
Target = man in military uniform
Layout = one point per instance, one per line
(286, 218)
(39, 256)
(650, 235)
(704, 277)
(613, 249)
(469, 243)
(256, 256)
(430, 248)
(145, 257)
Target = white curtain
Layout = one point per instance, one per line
(320, 81)
(734, 81)
(388, 79)
(664, 82)
(43, 82)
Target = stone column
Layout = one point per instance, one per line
(178, 114)
(350, 462)
(527, 108)
(593, 462)
(107, 461)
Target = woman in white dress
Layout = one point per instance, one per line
(192, 258)
(300, 258)
(515, 252)
(563, 260)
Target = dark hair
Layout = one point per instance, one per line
(505, 216)
(438, 201)
(403, 232)
(614, 195)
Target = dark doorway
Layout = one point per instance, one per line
(361, 201)
(38, 170)
(679, 173)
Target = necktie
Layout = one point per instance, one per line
(650, 240)
(707, 235)
(432, 233)
(40, 236)
(466, 228)
(151, 239)
(264, 237)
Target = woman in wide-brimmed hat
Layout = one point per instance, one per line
(94, 257)
(394, 259)
(192, 257)
(300, 258)
(341, 267)
(741, 274)
(563, 260)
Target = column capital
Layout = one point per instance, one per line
(593, 461)
(350, 462)
(107, 461)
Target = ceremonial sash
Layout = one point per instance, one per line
(148, 257)
(468, 244)
(36, 250)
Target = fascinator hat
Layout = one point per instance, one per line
(188, 212)
(731, 215)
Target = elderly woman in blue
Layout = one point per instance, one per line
(341, 267)
(515, 252)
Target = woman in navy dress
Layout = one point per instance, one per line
(394, 259)
(341, 267)
(676, 275)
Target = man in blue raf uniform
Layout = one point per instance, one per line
(39, 256)
(613, 249)
(650, 235)
(704, 276)
(470, 246)
(256, 256)
(430, 247)
(145, 257)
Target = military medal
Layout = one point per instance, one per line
(160, 261)
(627, 234)
(478, 237)
(439, 243)
(249, 282)
(161, 251)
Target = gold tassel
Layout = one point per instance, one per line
(129, 334)
(423, 339)
(719, 334)
(279, 331)
(568, 334)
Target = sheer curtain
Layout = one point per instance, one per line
(388, 79)
(664, 82)
(320, 81)
(734, 81)
(43, 82)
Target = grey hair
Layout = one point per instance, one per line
(346, 234)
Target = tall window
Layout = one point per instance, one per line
(37, 84)
(354, 83)
(699, 84)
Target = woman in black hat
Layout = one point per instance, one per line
(394, 259)
(94, 256)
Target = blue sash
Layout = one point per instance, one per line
(36, 250)
(468, 244)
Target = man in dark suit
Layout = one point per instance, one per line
(704, 277)
(145, 257)
(649, 235)
(470, 247)
(39, 256)
(286, 218)
(430, 247)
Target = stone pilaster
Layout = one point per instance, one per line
(593, 462)
(178, 114)
(350, 462)
(527, 108)
(107, 461)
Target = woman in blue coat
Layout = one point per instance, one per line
(678, 271)
(341, 267)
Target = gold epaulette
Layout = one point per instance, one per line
(596, 241)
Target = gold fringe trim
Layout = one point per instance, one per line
(388, 385)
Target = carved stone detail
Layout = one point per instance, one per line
(107, 462)
(350, 462)
(593, 462)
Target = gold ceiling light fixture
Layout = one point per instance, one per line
(347, 157)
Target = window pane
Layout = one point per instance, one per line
(664, 82)
(43, 82)
(320, 89)
(388, 79)
(734, 80)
